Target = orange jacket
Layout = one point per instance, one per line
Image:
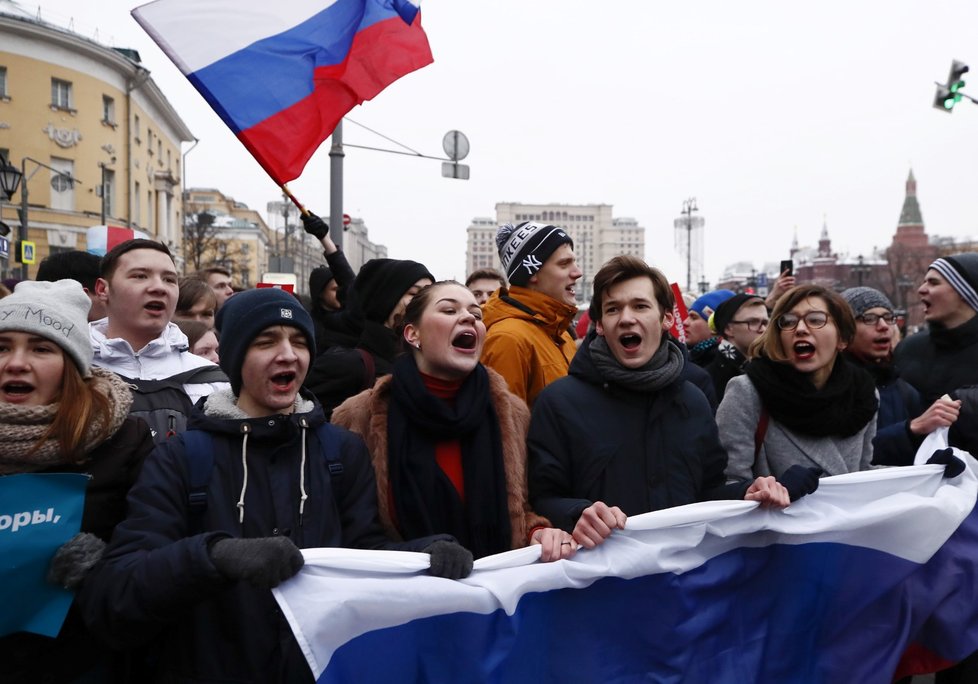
(528, 345)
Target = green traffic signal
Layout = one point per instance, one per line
(955, 87)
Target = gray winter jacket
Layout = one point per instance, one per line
(738, 417)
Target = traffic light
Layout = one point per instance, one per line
(949, 94)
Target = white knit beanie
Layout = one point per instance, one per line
(57, 311)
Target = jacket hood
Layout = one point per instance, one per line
(528, 305)
(219, 413)
(170, 340)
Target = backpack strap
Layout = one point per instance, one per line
(761, 431)
(198, 375)
(198, 454)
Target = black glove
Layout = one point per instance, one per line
(953, 466)
(800, 480)
(263, 562)
(74, 559)
(315, 226)
(449, 560)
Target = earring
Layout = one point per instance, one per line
(417, 345)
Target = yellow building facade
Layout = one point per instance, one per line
(95, 137)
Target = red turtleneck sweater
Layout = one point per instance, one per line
(448, 454)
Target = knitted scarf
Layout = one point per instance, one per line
(425, 501)
(661, 370)
(841, 408)
(22, 428)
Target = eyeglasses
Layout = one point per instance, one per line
(754, 324)
(813, 320)
(873, 319)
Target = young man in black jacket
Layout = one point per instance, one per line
(219, 513)
(623, 433)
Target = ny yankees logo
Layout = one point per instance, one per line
(532, 264)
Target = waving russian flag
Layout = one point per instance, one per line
(832, 589)
(282, 75)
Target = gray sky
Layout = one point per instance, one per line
(772, 114)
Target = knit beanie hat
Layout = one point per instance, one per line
(710, 300)
(381, 283)
(246, 314)
(961, 272)
(861, 299)
(56, 311)
(524, 249)
(726, 311)
(318, 280)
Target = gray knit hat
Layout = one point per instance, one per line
(961, 272)
(523, 249)
(57, 311)
(862, 299)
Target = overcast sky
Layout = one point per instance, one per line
(772, 114)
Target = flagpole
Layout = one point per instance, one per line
(336, 155)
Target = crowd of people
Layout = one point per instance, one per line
(223, 432)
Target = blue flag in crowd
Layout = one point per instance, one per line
(38, 513)
(833, 589)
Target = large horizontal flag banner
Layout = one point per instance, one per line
(282, 75)
(38, 513)
(832, 589)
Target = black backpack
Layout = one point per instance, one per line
(163, 404)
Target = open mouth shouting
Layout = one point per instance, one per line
(16, 391)
(803, 350)
(283, 382)
(156, 307)
(630, 342)
(465, 341)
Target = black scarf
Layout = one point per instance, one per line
(883, 372)
(425, 500)
(841, 408)
(665, 366)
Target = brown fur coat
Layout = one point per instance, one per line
(366, 414)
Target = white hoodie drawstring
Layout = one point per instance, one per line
(246, 429)
(302, 471)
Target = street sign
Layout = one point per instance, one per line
(4, 248)
(454, 170)
(26, 252)
(346, 220)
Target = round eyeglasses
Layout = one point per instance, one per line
(813, 320)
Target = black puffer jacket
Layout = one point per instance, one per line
(157, 583)
(938, 360)
(594, 441)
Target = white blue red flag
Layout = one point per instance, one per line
(833, 589)
(282, 75)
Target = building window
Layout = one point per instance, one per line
(60, 94)
(108, 192)
(3, 82)
(62, 190)
(135, 128)
(108, 110)
(137, 209)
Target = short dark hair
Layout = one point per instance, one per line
(111, 260)
(211, 270)
(769, 343)
(72, 264)
(192, 290)
(487, 274)
(624, 267)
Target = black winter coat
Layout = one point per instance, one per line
(157, 582)
(593, 441)
(939, 360)
(113, 467)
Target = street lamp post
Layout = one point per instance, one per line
(10, 177)
(689, 206)
(704, 285)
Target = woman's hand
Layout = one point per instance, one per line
(767, 491)
(597, 523)
(556, 544)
